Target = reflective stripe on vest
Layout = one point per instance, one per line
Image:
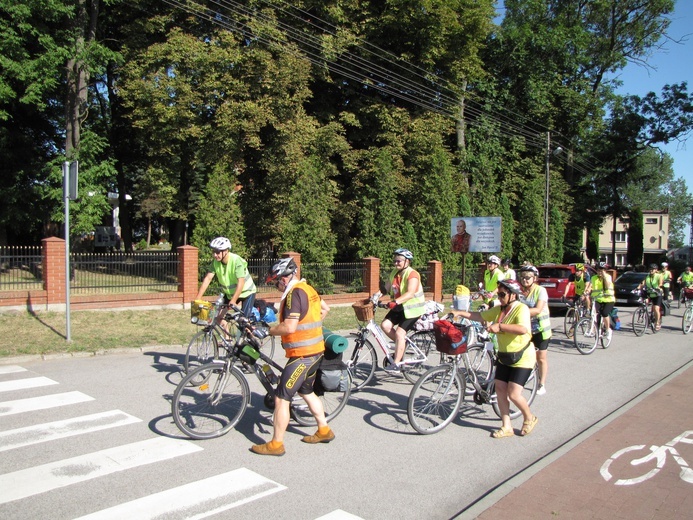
(414, 307)
(543, 318)
(226, 275)
(307, 339)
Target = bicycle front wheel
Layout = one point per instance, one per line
(332, 402)
(425, 343)
(569, 322)
(212, 408)
(203, 348)
(529, 392)
(435, 399)
(585, 336)
(687, 322)
(481, 362)
(640, 321)
(361, 361)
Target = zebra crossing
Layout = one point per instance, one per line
(198, 499)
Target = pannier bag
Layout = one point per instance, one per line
(333, 376)
(451, 338)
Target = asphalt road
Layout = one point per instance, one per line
(119, 454)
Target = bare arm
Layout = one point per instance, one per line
(205, 283)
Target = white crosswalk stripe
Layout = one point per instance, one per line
(29, 435)
(198, 499)
(39, 479)
(33, 404)
(11, 369)
(23, 384)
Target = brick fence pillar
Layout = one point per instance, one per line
(371, 274)
(297, 259)
(53, 249)
(188, 275)
(435, 279)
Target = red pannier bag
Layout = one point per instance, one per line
(451, 338)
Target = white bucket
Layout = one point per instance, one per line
(460, 303)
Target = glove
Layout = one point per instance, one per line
(260, 333)
(391, 305)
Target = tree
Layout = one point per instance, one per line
(634, 255)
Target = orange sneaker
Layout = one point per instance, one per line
(266, 449)
(317, 438)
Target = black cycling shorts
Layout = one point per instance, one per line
(396, 317)
(512, 374)
(298, 376)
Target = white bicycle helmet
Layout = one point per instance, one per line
(405, 253)
(283, 267)
(220, 243)
(664, 264)
(530, 269)
(493, 259)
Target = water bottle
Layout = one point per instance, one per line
(271, 376)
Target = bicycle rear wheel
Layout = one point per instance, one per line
(640, 321)
(529, 392)
(361, 361)
(212, 408)
(569, 322)
(687, 321)
(435, 399)
(332, 402)
(481, 362)
(585, 336)
(425, 342)
(203, 348)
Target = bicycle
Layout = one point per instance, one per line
(687, 320)
(643, 316)
(657, 454)
(685, 296)
(204, 345)
(577, 310)
(435, 399)
(586, 334)
(363, 360)
(213, 398)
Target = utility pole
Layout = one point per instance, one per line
(546, 198)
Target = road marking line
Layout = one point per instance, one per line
(31, 404)
(51, 431)
(198, 499)
(339, 514)
(22, 384)
(47, 477)
(11, 369)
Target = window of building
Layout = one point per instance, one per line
(620, 259)
(651, 220)
(618, 236)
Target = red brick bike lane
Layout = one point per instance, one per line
(596, 480)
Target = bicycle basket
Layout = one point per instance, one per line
(451, 338)
(201, 312)
(363, 310)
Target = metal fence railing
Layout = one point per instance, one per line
(21, 268)
(141, 271)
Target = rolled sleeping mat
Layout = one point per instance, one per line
(334, 342)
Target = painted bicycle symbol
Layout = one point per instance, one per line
(658, 454)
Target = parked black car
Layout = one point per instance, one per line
(625, 287)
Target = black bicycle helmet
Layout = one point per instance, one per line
(653, 266)
(283, 267)
(601, 265)
(512, 285)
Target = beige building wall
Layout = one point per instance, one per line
(655, 238)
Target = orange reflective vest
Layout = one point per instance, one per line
(308, 339)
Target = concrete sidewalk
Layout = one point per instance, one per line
(571, 483)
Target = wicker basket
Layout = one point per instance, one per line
(363, 310)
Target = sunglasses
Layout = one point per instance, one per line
(502, 294)
(527, 277)
(217, 251)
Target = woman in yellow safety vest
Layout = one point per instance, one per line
(406, 303)
(537, 299)
(604, 296)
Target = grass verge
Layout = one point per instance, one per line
(22, 333)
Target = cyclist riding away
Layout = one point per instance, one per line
(232, 272)
(537, 299)
(653, 287)
(604, 297)
(406, 304)
(301, 312)
(511, 324)
(492, 276)
(582, 283)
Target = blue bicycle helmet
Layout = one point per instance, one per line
(405, 253)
